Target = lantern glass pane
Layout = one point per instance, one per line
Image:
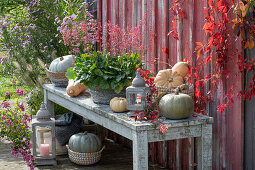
(138, 99)
(132, 98)
(43, 141)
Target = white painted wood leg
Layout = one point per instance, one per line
(205, 148)
(49, 104)
(140, 150)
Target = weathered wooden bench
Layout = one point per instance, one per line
(140, 132)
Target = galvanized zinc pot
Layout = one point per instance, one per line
(100, 96)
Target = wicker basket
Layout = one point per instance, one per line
(58, 79)
(84, 158)
(164, 90)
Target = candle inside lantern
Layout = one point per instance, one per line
(138, 99)
(44, 149)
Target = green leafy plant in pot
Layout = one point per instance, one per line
(106, 76)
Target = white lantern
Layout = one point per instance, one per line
(44, 143)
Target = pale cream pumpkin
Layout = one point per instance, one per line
(61, 64)
(118, 104)
(168, 78)
(74, 89)
(182, 68)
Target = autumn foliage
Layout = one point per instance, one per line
(215, 51)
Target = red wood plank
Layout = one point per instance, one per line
(228, 128)
(172, 42)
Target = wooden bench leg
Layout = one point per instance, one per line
(205, 148)
(140, 150)
(49, 104)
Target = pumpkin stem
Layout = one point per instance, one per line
(85, 132)
(170, 79)
(71, 91)
(177, 91)
(61, 58)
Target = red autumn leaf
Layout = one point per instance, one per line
(165, 50)
(208, 58)
(170, 32)
(199, 44)
(251, 44)
(199, 53)
(209, 27)
(232, 1)
(207, 77)
(206, 10)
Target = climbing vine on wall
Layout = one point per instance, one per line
(215, 50)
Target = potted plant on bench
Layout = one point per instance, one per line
(106, 76)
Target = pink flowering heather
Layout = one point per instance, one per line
(121, 41)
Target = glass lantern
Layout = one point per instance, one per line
(44, 144)
(136, 94)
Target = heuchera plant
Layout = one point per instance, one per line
(14, 127)
(105, 72)
(124, 41)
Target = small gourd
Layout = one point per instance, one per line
(168, 78)
(85, 143)
(176, 105)
(74, 89)
(182, 68)
(118, 104)
(61, 64)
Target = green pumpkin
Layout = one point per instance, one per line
(176, 106)
(85, 143)
(61, 64)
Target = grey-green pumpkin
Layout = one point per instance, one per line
(85, 143)
(176, 106)
(61, 64)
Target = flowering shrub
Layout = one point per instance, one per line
(29, 32)
(80, 32)
(14, 127)
(124, 41)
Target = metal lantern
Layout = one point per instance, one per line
(44, 143)
(136, 94)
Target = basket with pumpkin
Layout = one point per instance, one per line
(84, 148)
(57, 69)
(166, 81)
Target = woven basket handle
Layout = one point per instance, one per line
(102, 149)
(47, 66)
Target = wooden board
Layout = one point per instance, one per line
(228, 127)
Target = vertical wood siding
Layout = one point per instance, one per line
(228, 127)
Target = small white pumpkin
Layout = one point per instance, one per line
(118, 104)
(61, 64)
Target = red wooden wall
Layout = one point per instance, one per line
(228, 127)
